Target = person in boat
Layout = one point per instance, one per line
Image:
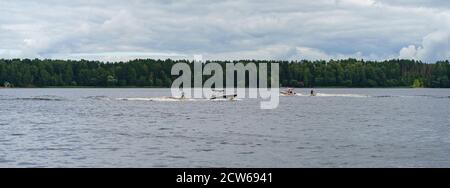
(291, 91)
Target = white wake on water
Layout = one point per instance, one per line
(170, 99)
(340, 95)
(156, 99)
(333, 95)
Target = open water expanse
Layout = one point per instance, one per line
(138, 128)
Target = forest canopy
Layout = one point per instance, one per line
(157, 73)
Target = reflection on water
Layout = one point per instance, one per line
(139, 128)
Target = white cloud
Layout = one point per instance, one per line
(120, 56)
(357, 2)
(434, 47)
(10, 53)
(409, 52)
(310, 54)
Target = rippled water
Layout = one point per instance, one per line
(136, 128)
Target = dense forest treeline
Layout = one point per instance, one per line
(157, 73)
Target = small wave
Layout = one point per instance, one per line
(433, 96)
(204, 150)
(246, 153)
(37, 99)
(384, 96)
(26, 164)
(40, 98)
(176, 157)
(18, 134)
(97, 98)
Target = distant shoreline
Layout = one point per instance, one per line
(148, 73)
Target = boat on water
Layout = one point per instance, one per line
(220, 94)
(288, 92)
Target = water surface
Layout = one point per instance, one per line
(129, 128)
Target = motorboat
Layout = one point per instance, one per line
(288, 92)
(220, 94)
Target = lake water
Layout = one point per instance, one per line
(132, 128)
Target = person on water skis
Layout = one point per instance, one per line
(313, 93)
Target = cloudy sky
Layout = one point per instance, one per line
(114, 30)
